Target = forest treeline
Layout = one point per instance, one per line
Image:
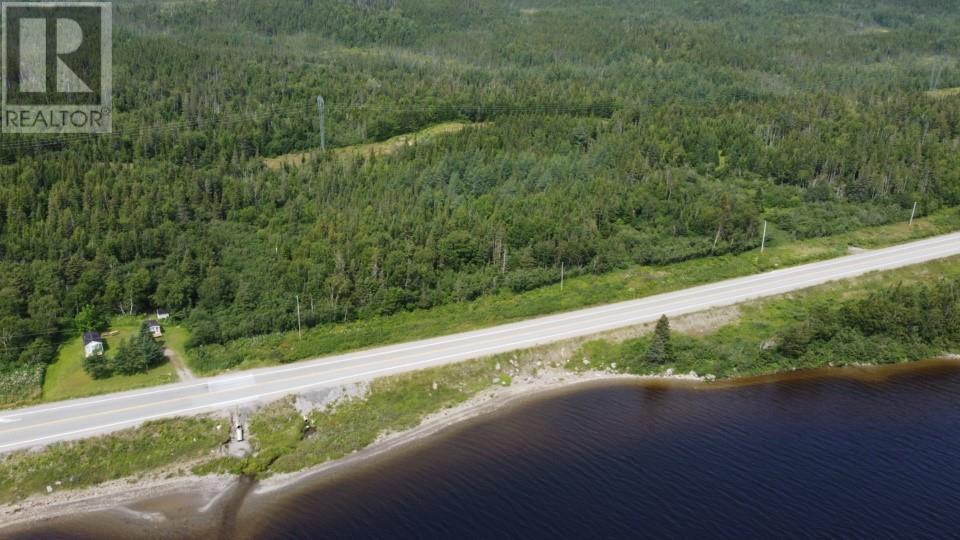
(890, 324)
(904, 322)
(612, 134)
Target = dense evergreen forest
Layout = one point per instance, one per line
(605, 134)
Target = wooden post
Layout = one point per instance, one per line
(763, 243)
(914, 213)
(299, 332)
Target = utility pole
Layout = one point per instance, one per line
(299, 332)
(914, 213)
(321, 107)
(561, 276)
(763, 243)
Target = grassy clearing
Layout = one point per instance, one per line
(578, 292)
(944, 92)
(286, 442)
(370, 149)
(90, 462)
(734, 350)
(66, 378)
(175, 338)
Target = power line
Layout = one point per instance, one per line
(235, 118)
(231, 119)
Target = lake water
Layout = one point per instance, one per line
(875, 454)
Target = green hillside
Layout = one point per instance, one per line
(611, 134)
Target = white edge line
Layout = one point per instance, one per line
(403, 367)
(522, 325)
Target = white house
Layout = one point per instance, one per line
(92, 344)
(162, 314)
(154, 328)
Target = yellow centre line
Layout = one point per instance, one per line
(324, 373)
(192, 396)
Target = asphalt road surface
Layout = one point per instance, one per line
(33, 426)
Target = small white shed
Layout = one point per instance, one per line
(92, 344)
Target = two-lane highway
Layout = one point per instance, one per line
(72, 419)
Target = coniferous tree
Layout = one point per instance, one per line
(97, 366)
(148, 349)
(661, 350)
(128, 360)
(564, 167)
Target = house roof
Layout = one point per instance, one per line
(161, 311)
(152, 322)
(90, 337)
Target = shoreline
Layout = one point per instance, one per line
(125, 495)
(523, 392)
(121, 494)
(487, 403)
(115, 495)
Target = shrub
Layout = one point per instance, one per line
(21, 383)
(204, 329)
(97, 366)
(128, 360)
(897, 323)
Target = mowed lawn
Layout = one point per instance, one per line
(66, 378)
(175, 338)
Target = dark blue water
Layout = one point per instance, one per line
(865, 456)
(816, 458)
